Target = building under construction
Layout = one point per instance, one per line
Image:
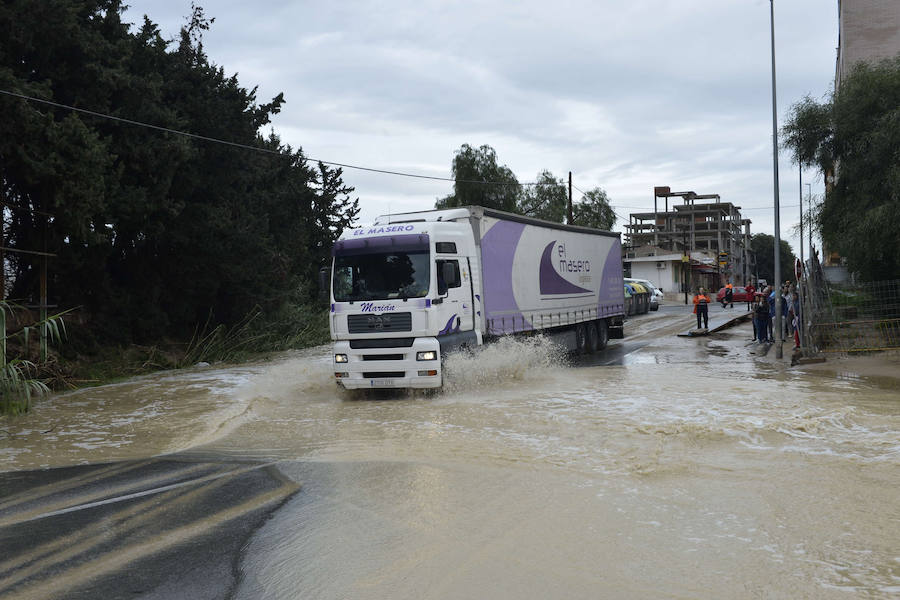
(686, 228)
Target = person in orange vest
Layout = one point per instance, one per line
(729, 295)
(701, 308)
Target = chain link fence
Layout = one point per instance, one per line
(849, 317)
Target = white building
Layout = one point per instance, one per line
(868, 30)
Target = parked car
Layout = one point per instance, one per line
(739, 294)
(656, 294)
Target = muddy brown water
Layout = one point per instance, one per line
(693, 469)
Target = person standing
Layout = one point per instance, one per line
(754, 317)
(795, 310)
(701, 308)
(785, 309)
(770, 324)
(729, 295)
(761, 319)
(751, 297)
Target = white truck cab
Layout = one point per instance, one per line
(404, 292)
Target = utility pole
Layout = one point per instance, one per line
(571, 219)
(801, 214)
(809, 228)
(779, 330)
(685, 265)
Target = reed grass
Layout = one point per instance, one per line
(18, 376)
(291, 327)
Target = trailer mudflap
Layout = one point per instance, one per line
(616, 328)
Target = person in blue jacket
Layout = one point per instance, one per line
(760, 319)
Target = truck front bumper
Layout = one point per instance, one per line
(372, 368)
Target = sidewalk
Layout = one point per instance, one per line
(718, 322)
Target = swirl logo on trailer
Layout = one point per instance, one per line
(551, 282)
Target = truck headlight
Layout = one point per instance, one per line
(427, 355)
(340, 358)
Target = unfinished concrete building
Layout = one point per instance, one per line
(697, 230)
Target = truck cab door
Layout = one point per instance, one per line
(455, 281)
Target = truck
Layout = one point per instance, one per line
(411, 288)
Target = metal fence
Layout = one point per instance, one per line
(850, 317)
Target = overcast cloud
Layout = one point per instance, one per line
(626, 95)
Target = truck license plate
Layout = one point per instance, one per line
(382, 382)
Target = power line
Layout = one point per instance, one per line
(256, 148)
(770, 207)
(618, 216)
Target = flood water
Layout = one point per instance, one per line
(691, 469)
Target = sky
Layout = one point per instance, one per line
(625, 95)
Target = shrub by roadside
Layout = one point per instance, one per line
(84, 360)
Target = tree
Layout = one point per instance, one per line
(546, 199)
(594, 211)
(480, 181)
(856, 137)
(763, 247)
(808, 134)
(153, 232)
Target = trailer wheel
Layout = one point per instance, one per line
(581, 339)
(593, 337)
(602, 334)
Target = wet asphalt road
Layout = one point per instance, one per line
(173, 526)
(159, 528)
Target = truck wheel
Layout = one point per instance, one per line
(602, 335)
(592, 337)
(581, 340)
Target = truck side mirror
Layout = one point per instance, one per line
(324, 284)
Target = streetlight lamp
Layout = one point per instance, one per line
(779, 335)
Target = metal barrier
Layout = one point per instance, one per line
(849, 317)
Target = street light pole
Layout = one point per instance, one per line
(779, 330)
(801, 214)
(685, 263)
(808, 208)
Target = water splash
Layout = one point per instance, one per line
(509, 359)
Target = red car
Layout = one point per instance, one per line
(739, 294)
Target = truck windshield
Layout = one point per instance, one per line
(381, 276)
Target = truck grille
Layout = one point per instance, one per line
(384, 374)
(382, 343)
(382, 357)
(401, 321)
